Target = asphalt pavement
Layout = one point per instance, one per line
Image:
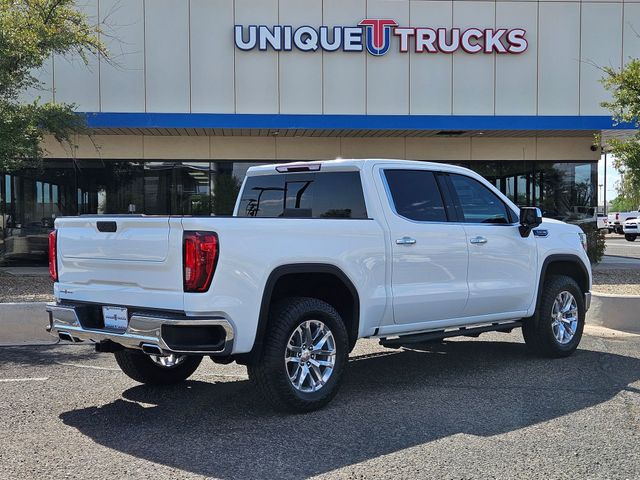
(468, 408)
(619, 247)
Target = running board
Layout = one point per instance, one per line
(397, 342)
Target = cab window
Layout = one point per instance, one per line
(416, 195)
(477, 203)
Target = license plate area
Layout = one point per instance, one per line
(115, 318)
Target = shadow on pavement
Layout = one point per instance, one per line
(390, 401)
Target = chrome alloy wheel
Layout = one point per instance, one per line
(168, 361)
(310, 356)
(564, 317)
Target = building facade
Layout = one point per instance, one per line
(197, 91)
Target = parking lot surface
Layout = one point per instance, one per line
(618, 246)
(480, 408)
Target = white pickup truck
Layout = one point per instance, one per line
(616, 220)
(316, 256)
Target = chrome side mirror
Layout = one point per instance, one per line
(530, 218)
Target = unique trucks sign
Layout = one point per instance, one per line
(376, 35)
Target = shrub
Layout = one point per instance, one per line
(595, 242)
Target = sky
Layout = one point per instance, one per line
(612, 177)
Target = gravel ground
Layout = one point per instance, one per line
(619, 282)
(25, 288)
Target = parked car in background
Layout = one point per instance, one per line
(630, 229)
(602, 222)
(617, 219)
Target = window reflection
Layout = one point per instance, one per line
(31, 199)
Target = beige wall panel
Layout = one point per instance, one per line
(388, 75)
(243, 148)
(300, 73)
(176, 148)
(256, 80)
(122, 79)
(473, 75)
(572, 148)
(438, 149)
(212, 56)
(74, 80)
(372, 148)
(307, 148)
(343, 73)
(54, 149)
(118, 146)
(503, 148)
(431, 75)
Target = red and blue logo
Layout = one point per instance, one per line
(378, 36)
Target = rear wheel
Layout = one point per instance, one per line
(556, 328)
(630, 237)
(304, 355)
(156, 370)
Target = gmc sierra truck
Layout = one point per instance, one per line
(316, 256)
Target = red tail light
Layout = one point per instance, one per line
(53, 255)
(617, 216)
(200, 255)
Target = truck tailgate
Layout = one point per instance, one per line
(127, 260)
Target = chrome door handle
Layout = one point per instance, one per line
(478, 240)
(405, 241)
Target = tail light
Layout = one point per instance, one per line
(617, 216)
(200, 255)
(53, 255)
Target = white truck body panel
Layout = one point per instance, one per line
(442, 280)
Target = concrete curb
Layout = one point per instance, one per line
(24, 324)
(620, 312)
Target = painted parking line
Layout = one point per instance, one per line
(92, 367)
(35, 379)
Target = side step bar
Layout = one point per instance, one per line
(397, 342)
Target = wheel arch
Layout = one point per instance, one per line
(564, 264)
(326, 282)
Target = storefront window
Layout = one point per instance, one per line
(31, 199)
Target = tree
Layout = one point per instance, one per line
(624, 85)
(30, 32)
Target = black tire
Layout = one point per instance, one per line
(269, 372)
(139, 367)
(537, 330)
(630, 237)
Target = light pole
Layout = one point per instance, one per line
(604, 197)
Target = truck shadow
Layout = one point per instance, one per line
(389, 401)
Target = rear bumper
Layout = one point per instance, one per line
(151, 331)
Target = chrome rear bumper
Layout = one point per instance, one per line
(144, 329)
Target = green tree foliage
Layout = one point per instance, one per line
(595, 242)
(624, 85)
(30, 32)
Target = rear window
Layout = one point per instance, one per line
(304, 195)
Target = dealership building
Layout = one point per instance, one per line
(197, 91)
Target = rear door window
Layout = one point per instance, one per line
(304, 195)
(416, 195)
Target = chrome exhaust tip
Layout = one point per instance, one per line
(67, 337)
(151, 349)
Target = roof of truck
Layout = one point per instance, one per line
(347, 164)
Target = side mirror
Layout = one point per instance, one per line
(530, 218)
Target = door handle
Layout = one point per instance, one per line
(478, 240)
(406, 241)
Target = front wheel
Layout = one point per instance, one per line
(556, 327)
(304, 355)
(630, 237)
(156, 370)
